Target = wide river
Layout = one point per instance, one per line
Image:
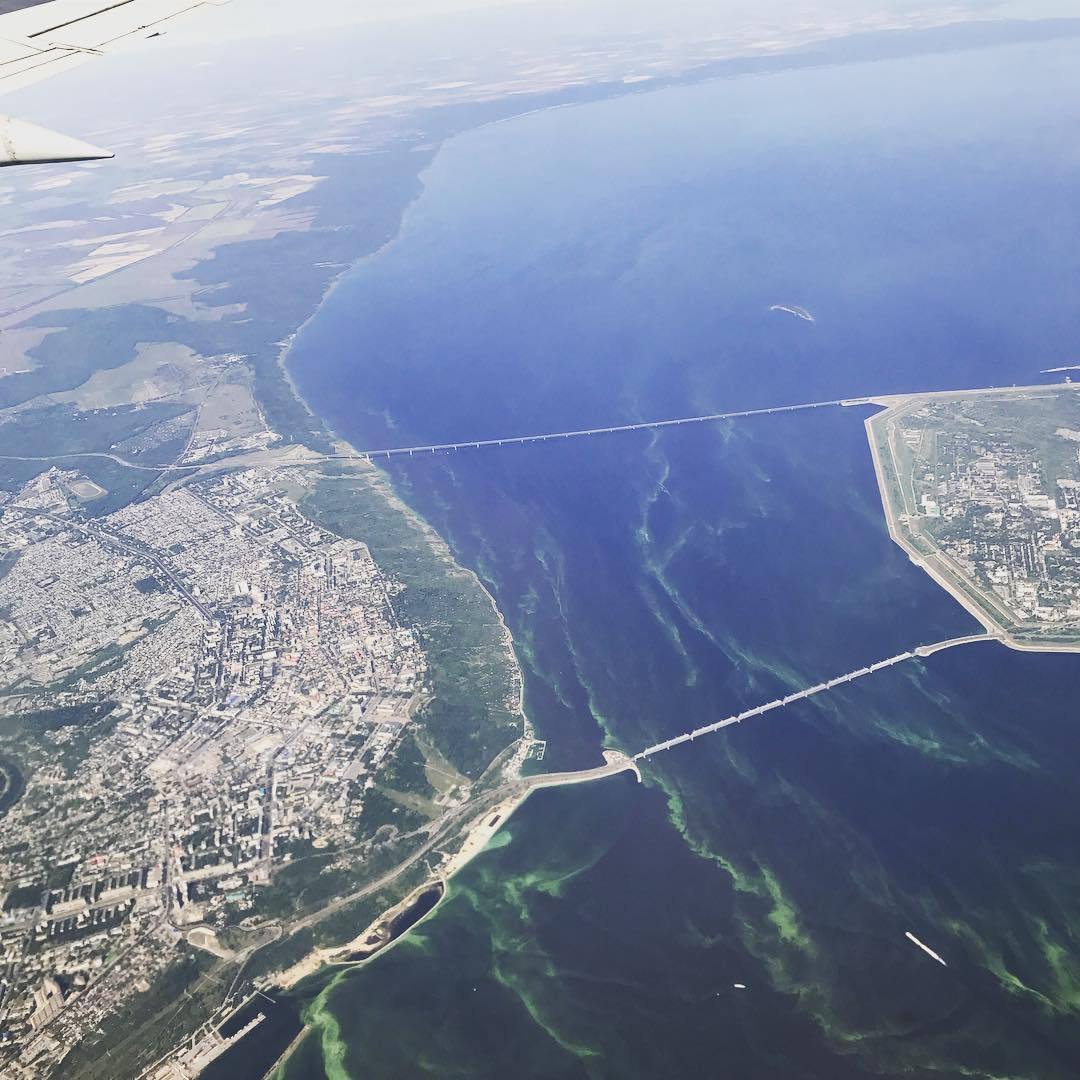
(618, 261)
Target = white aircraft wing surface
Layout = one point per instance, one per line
(39, 39)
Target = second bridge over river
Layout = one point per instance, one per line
(921, 652)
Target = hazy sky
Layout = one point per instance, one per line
(259, 17)
(452, 29)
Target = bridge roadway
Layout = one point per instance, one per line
(435, 448)
(645, 425)
(920, 652)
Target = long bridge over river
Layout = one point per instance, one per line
(615, 429)
(292, 459)
(386, 453)
(273, 459)
(921, 651)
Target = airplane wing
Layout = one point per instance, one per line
(39, 38)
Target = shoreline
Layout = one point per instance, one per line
(477, 838)
(480, 832)
(477, 835)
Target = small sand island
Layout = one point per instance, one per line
(793, 309)
(982, 489)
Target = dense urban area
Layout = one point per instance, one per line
(200, 685)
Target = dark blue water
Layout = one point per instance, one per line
(617, 262)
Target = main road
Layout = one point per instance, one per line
(127, 545)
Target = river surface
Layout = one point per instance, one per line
(617, 262)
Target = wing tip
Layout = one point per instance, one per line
(22, 143)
